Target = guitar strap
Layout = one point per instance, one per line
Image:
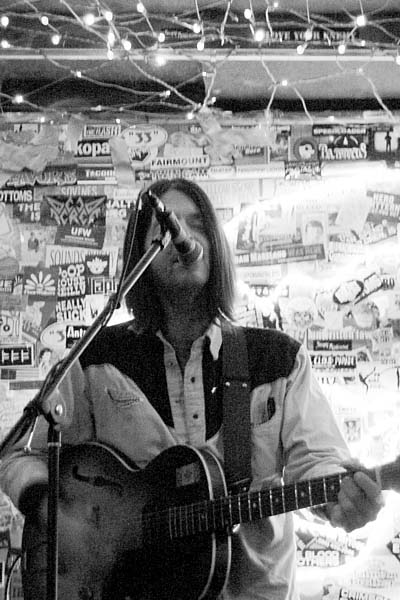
(236, 407)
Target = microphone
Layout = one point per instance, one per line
(189, 250)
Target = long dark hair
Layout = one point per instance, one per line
(142, 299)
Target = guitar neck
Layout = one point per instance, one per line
(223, 513)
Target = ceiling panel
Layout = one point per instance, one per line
(233, 71)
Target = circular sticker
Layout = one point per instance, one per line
(301, 312)
(305, 149)
(54, 336)
(143, 142)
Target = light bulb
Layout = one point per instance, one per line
(308, 35)
(108, 15)
(18, 99)
(55, 39)
(160, 59)
(140, 7)
(126, 44)
(4, 21)
(161, 37)
(200, 44)
(259, 34)
(111, 37)
(361, 20)
(44, 20)
(196, 27)
(341, 48)
(89, 19)
(248, 13)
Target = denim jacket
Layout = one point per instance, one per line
(128, 391)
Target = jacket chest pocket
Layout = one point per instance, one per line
(266, 413)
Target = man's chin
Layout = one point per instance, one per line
(183, 287)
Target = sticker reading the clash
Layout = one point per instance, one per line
(101, 130)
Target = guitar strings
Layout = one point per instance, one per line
(197, 517)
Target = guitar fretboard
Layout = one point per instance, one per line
(225, 512)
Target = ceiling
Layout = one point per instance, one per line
(233, 71)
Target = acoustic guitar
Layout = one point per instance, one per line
(160, 533)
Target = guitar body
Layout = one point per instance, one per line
(118, 535)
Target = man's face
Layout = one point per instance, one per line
(169, 274)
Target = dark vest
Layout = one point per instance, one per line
(271, 355)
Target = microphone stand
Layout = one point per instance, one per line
(55, 411)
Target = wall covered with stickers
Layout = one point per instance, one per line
(312, 211)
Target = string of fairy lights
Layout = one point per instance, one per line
(207, 35)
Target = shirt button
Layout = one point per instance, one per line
(195, 416)
(193, 379)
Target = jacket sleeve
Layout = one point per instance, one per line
(22, 468)
(311, 439)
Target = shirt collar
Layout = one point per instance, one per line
(213, 333)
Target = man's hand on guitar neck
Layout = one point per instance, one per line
(359, 501)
